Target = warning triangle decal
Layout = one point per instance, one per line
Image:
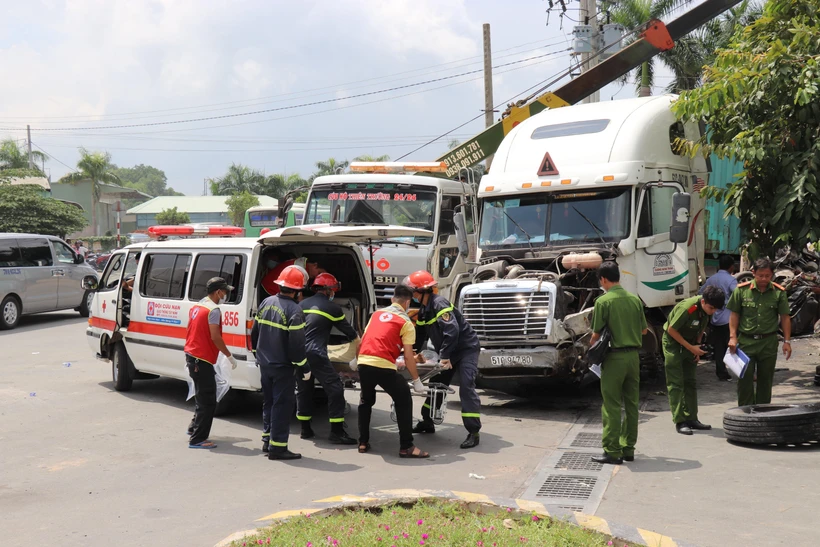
(547, 166)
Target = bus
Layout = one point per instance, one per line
(267, 216)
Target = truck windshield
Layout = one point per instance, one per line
(555, 219)
(364, 204)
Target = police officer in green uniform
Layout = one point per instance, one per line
(757, 308)
(681, 349)
(622, 313)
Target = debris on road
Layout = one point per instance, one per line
(479, 477)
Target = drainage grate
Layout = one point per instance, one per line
(573, 508)
(567, 486)
(578, 461)
(587, 440)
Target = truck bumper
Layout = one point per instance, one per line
(536, 362)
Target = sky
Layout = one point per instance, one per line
(192, 86)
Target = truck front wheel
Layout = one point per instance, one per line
(121, 368)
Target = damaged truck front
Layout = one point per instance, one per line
(570, 188)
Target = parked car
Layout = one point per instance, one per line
(40, 273)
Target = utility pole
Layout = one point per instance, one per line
(205, 186)
(488, 85)
(589, 16)
(30, 162)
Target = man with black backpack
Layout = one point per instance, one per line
(622, 313)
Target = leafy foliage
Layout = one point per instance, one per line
(25, 209)
(368, 157)
(13, 156)
(171, 217)
(238, 204)
(96, 167)
(239, 178)
(762, 105)
(145, 178)
(329, 167)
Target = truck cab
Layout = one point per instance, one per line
(570, 188)
(376, 194)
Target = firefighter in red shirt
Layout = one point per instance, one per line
(389, 334)
(275, 269)
(203, 343)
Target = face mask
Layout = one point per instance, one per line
(331, 296)
(223, 299)
(272, 264)
(416, 300)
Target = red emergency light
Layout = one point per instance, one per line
(202, 231)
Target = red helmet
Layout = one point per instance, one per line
(326, 281)
(420, 280)
(293, 277)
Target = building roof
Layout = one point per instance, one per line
(190, 204)
(36, 181)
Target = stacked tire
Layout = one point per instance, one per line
(772, 424)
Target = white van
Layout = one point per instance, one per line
(142, 332)
(40, 273)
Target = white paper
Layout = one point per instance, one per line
(223, 376)
(596, 370)
(191, 387)
(736, 362)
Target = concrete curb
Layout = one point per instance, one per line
(328, 506)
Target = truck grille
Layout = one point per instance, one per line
(508, 316)
(384, 292)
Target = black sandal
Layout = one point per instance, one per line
(364, 447)
(413, 452)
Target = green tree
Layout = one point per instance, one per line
(239, 178)
(97, 168)
(761, 101)
(25, 209)
(146, 178)
(277, 185)
(368, 157)
(329, 167)
(634, 13)
(170, 217)
(238, 204)
(13, 156)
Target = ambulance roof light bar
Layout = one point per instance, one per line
(195, 230)
(398, 167)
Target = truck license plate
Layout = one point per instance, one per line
(504, 360)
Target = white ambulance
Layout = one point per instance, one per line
(142, 331)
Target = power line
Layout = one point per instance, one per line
(290, 107)
(52, 157)
(302, 94)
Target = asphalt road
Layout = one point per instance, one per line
(85, 465)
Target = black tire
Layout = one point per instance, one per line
(10, 312)
(122, 371)
(743, 277)
(772, 424)
(85, 307)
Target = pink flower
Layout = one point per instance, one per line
(395, 537)
(424, 536)
(420, 522)
(405, 535)
(441, 537)
(421, 542)
(535, 518)
(386, 527)
(308, 544)
(509, 509)
(609, 542)
(268, 542)
(335, 543)
(483, 529)
(378, 539)
(492, 527)
(479, 544)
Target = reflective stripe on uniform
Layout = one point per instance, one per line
(274, 443)
(266, 434)
(337, 420)
(470, 415)
(425, 405)
(323, 314)
(304, 418)
(280, 326)
(434, 319)
(301, 363)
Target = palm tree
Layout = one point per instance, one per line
(14, 157)
(368, 157)
(97, 168)
(634, 13)
(690, 54)
(329, 167)
(278, 185)
(239, 178)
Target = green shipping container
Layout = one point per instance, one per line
(722, 234)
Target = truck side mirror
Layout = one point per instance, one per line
(89, 283)
(461, 233)
(679, 230)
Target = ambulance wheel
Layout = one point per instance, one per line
(9, 313)
(85, 307)
(121, 369)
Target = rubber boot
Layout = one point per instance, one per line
(307, 430)
(425, 426)
(338, 435)
(282, 454)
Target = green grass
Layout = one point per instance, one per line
(427, 524)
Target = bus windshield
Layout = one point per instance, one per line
(262, 217)
(551, 219)
(365, 204)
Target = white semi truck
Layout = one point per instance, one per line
(385, 193)
(570, 188)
